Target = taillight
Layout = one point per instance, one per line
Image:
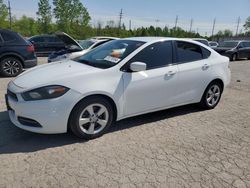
(30, 48)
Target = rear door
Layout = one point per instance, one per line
(194, 71)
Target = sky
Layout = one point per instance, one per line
(159, 12)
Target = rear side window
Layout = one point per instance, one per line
(8, 37)
(52, 39)
(37, 39)
(156, 55)
(187, 52)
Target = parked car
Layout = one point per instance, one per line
(234, 49)
(213, 44)
(46, 44)
(120, 79)
(201, 40)
(16, 53)
(74, 49)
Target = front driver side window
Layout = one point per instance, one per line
(156, 55)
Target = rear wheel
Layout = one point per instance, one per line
(211, 96)
(91, 118)
(10, 67)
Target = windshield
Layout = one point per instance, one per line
(110, 54)
(85, 44)
(228, 44)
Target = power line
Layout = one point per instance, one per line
(10, 17)
(238, 23)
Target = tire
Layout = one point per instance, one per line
(233, 57)
(10, 67)
(211, 96)
(86, 123)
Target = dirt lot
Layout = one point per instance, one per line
(181, 147)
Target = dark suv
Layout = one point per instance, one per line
(234, 49)
(46, 44)
(15, 53)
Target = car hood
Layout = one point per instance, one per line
(51, 74)
(67, 40)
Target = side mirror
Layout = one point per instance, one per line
(138, 66)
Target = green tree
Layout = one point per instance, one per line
(44, 15)
(3, 15)
(71, 16)
(25, 26)
(247, 24)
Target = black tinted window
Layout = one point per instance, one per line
(188, 52)
(156, 55)
(52, 39)
(7, 37)
(37, 39)
(206, 53)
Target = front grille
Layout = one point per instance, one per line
(28, 122)
(12, 95)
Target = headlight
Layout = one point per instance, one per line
(48, 92)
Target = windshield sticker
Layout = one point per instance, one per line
(112, 59)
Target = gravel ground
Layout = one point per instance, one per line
(181, 147)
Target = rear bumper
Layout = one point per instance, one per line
(30, 63)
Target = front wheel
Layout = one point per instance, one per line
(233, 57)
(211, 96)
(91, 118)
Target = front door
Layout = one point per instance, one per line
(155, 87)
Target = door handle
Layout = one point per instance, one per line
(171, 73)
(205, 67)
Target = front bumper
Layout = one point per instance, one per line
(30, 63)
(51, 114)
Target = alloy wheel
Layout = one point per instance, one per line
(11, 67)
(93, 119)
(213, 95)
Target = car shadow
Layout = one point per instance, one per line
(15, 140)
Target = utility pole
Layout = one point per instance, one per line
(176, 22)
(213, 27)
(238, 23)
(191, 25)
(156, 21)
(120, 19)
(10, 17)
(130, 24)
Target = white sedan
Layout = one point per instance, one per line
(122, 78)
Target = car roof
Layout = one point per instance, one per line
(236, 41)
(104, 38)
(149, 39)
(155, 39)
